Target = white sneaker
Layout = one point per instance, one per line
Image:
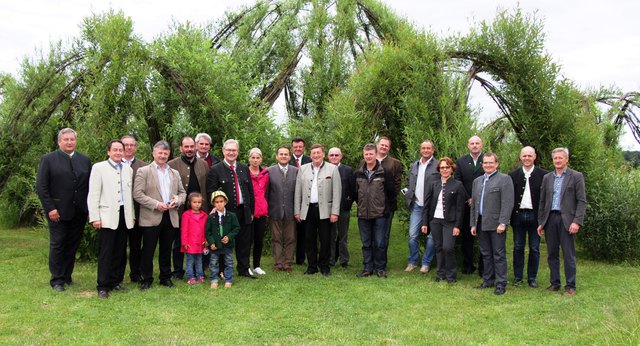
(259, 271)
(410, 267)
(250, 272)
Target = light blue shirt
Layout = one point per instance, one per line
(118, 168)
(484, 183)
(557, 190)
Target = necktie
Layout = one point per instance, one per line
(484, 183)
(235, 178)
(284, 172)
(298, 161)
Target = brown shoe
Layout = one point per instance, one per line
(569, 292)
(288, 270)
(410, 267)
(425, 269)
(553, 288)
(276, 269)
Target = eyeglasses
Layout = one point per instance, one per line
(445, 167)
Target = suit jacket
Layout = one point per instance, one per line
(281, 192)
(62, 183)
(412, 180)
(348, 181)
(210, 160)
(329, 190)
(200, 168)
(519, 183)
(220, 177)
(305, 159)
(146, 191)
(105, 184)
(135, 165)
(573, 198)
(498, 201)
(454, 197)
(466, 172)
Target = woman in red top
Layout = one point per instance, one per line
(260, 180)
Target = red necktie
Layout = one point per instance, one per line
(298, 162)
(235, 177)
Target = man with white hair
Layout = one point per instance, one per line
(203, 146)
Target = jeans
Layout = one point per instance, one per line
(194, 260)
(374, 243)
(415, 225)
(214, 266)
(525, 224)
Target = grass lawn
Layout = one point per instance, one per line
(281, 308)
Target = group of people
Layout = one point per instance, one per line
(206, 208)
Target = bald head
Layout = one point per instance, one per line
(527, 157)
(475, 146)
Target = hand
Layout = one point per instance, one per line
(96, 224)
(424, 230)
(540, 231)
(54, 216)
(162, 207)
(333, 218)
(469, 201)
(574, 228)
(297, 217)
(473, 231)
(186, 247)
(456, 231)
(225, 240)
(501, 228)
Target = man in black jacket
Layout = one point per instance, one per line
(232, 178)
(298, 158)
(62, 184)
(340, 229)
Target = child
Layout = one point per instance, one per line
(221, 230)
(193, 240)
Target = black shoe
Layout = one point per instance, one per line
(177, 276)
(517, 282)
(135, 278)
(468, 271)
(120, 288)
(553, 288)
(533, 284)
(452, 281)
(363, 274)
(299, 263)
(500, 290)
(103, 294)
(144, 285)
(344, 265)
(167, 283)
(326, 274)
(310, 272)
(382, 274)
(247, 275)
(483, 286)
(438, 279)
(58, 288)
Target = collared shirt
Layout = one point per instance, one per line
(298, 159)
(439, 212)
(419, 190)
(484, 184)
(380, 159)
(128, 162)
(118, 168)
(284, 169)
(164, 179)
(557, 189)
(526, 202)
(202, 157)
(313, 198)
(239, 192)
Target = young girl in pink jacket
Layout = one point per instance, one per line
(193, 239)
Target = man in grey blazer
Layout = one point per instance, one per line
(282, 188)
(563, 204)
(317, 202)
(111, 213)
(159, 191)
(492, 195)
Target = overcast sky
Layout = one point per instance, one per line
(596, 43)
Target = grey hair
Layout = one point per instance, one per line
(561, 149)
(162, 145)
(202, 135)
(370, 146)
(65, 131)
(336, 150)
(230, 141)
(255, 151)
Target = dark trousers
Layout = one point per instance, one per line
(243, 242)
(64, 240)
(494, 255)
(317, 229)
(525, 225)
(387, 235)
(558, 237)
(135, 251)
(442, 234)
(177, 256)
(300, 242)
(340, 237)
(259, 226)
(374, 243)
(467, 243)
(111, 254)
(151, 236)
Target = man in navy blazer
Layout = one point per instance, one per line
(524, 218)
(563, 204)
(62, 184)
(298, 158)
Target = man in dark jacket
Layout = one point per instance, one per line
(375, 196)
(340, 229)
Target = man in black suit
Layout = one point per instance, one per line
(340, 229)
(469, 167)
(233, 178)
(563, 204)
(298, 158)
(524, 218)
(62, 184)
(134, 234)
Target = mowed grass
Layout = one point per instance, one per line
(290, 309)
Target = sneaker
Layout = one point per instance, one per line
(410, 267)
(250, 272)
(259, 271)
(425, 269)
(191, 281)
(200, 279)
(214, 284)
(228, 284)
